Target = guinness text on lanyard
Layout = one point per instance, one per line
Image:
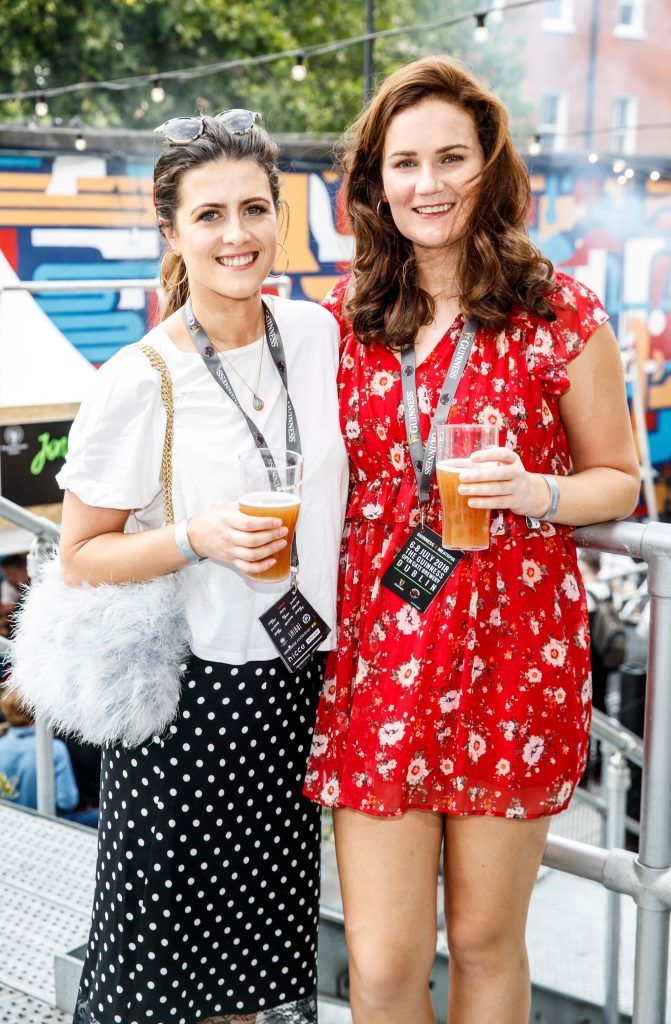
(273, 339)
(424, 459)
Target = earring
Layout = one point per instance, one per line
(171, 252)
(407, 267)
(286, 266)
(377, 208)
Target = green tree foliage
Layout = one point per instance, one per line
(84, 40)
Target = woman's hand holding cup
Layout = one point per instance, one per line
(225, 534)
(506, 485)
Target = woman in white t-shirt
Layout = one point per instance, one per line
(207, 893)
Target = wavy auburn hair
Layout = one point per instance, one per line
(499, 267)
(216, 143)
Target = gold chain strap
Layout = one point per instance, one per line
(166, 461)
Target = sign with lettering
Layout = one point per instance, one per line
(421, 568)
(31, 454)
(295, 629)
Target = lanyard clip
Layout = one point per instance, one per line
(294, 578)
(422, 515)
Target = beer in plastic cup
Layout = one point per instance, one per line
(258, 498)
(464, 528)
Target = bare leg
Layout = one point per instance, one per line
(490, 870)
(388, 871)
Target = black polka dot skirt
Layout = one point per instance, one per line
(207, 889)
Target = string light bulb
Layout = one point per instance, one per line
(655, 175)
(157, 91)
(299, 70)
(535, 146)
(80, 143)
(41, 107)
(629, 173)
(622, 180)
(481, 32)
(593, 158)
(619, 166)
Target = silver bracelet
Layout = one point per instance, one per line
(555, 495)
(182, 541)
(534, 522)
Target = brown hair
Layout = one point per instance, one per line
(13, 709)
(216, 143)
(499, 267)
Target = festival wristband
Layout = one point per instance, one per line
(182, 542)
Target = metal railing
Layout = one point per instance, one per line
(147, 284)
(282, 282)
(645, 877)
(45, 536)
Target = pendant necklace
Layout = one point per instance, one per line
(257, 401)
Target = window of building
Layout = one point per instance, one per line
(629, 19)
(624, 113)
(552, 125)
(558, 16)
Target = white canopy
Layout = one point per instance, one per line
(38, 365)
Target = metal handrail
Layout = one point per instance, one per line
(646, 876)
(46, 536)
(35, 287)
(617, 736)
(20, 516)
(598, 804)
(282, 282)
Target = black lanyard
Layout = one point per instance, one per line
(424, 459)
(273, 339)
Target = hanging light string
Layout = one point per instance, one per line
(318, 50)
(535, 146)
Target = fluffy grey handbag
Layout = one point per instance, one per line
(104, 663)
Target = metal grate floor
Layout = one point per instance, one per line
(46, 891)
(21, 1009)
(51, 859)
(47, 885)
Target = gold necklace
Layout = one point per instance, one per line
(257, 401)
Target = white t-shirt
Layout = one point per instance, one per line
(114, 461)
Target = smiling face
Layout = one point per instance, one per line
(225, 228)
(431, 161)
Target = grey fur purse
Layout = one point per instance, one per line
(104, 663)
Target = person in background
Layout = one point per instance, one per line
(18, 762)
(85, 759)
(14, 578)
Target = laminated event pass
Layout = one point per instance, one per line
(421, 568)
(295, 629)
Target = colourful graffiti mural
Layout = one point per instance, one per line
(91, 218)
(617, 239)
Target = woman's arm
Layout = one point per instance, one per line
(94, 548)
(605, 481)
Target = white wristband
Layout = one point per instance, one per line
(554, 497)
(182, 541)
(534, 522)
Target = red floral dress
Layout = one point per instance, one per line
(482, 704)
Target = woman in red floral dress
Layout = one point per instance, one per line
(464, 727)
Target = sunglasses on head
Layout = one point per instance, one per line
(181, 130)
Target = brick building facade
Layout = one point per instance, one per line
(599, 72)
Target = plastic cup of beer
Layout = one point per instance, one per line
(464, 528)
(272, 490)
